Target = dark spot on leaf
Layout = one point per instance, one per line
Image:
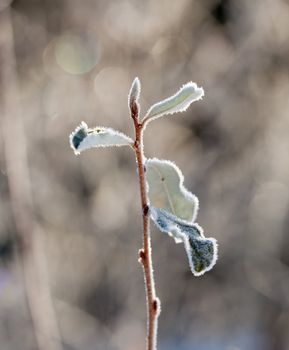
(79, 137)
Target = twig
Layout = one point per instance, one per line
(145, 254)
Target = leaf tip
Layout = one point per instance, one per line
(194, 91)
(202, 254)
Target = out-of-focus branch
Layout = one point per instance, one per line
(28, 233)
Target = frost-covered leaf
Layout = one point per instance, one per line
(202, 252)
(166, 190)
(134, 92)
(83, 138)
(179, 102)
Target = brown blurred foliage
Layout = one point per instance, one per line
(75, 60)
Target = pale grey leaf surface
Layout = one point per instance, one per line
(179, 102)
(202, 252)
(134, 92)
(166, 189)
(83, 138)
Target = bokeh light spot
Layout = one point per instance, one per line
(75, 55)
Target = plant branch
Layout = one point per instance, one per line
(145, 254)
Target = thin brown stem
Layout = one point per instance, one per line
(145, 254)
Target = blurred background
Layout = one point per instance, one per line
(71, 226)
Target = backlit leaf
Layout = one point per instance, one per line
(166, 189)
(202, 252)
(179, 102)
(83, 138)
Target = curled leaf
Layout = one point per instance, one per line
(166, 189)
(202, 252)
(83, 138)
(179, 102)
